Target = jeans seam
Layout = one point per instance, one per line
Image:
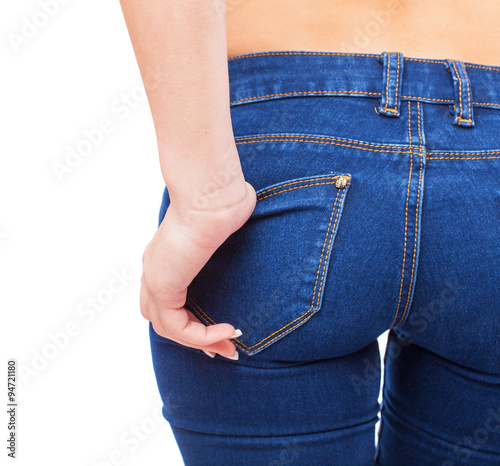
(406, 216)
(387, 81)
(362, 93)
(463, 158)
(372, 55)
(416, 218)
(328, 138)
(390, 149)
(281, 139)
(386, 106)
(304, 92)
(297, 187)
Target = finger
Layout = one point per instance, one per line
(218, 348)
(224, 347)
(182, 323)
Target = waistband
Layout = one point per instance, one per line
(268, 75)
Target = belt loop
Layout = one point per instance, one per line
(390, 101)
(463, 93)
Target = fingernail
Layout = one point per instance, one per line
(209, 353)
(237, 333)
(234, 357)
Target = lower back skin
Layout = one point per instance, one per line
(466, 30)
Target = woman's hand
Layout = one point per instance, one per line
(181, 51)
(183, 243)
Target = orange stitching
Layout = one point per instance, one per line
(387, 82)
(464, 158)
(303, 181)
(201, 310)
(315, 284)
(492, 68)
(468, 95)
(401, 151)
(426, 61)
(459, 87)
(304, 92)
(428, 98)
(262, 54)
(419, 133)
(296, 187)
(395, 109)
(328, 247)
(416, 226)
(317, 276)
(329, 232)
(415, 247)
(397, 86)
(406, 218)
(467, 120)
(469, 65)
(459, 117)
(485, 103)
(323, 142)
(355, 92)
(445, 100)
(372, 55)
(466, 152)
(319, 137)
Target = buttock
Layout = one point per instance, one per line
(371, 206)
(378, 209)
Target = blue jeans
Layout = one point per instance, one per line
(378, 182)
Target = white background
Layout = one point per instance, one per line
(70, 224)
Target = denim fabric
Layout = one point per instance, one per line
(378, 182)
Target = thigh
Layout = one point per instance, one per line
(435, 411)
(227, 412)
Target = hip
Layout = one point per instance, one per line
(378, 208)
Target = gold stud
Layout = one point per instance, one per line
(341, 182)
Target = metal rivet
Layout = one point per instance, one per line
(341, 182)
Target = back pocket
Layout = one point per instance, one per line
(268, 277)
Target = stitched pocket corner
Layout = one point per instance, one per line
(267, 278)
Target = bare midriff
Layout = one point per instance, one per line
(466, 30)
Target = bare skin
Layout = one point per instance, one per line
(181, 47)
(466, 30)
